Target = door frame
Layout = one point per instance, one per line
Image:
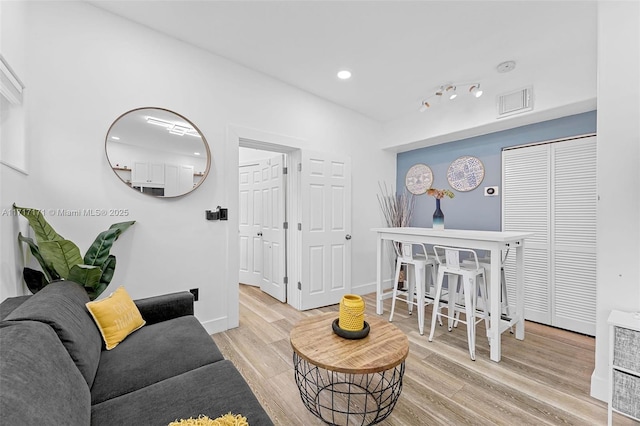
(238, 136)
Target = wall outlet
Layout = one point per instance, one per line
(194, 291)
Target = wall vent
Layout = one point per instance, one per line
(515, 102)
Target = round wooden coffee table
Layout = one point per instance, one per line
(344, 381)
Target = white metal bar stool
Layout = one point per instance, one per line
(416, 293)
(486, 263)
(471, 285)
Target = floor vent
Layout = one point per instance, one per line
(515, 102)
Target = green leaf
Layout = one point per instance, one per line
(42, 229)
(35, 280)
(47, 268)
(99, 250)
(122, 226)
(108, 269)
(87, 276)
(95, 292)
(62, 255)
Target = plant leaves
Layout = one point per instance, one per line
(62, 255)
(42, 229)
(35, 280)
(47, 268)
(98, 253)
(99, 250)
(122, 226)
(87, 276)
(108, 269)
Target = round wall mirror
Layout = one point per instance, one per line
(157, 152)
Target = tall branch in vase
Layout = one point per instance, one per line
(397, 210)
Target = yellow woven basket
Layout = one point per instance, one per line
(351, 312)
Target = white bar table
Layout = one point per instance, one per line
(493, 241)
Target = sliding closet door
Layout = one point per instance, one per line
(574, 235)
(550, 189)
(526, 207)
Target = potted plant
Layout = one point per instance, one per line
(60, 258)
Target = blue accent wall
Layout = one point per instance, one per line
(472, 210)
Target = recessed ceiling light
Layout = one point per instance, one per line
(344, 75)
(196, 153)
(115, 138)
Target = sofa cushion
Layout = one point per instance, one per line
(116, 317)
(9, 304)
(211, 390)
(39, 383)
(153, 353)
(61, 304)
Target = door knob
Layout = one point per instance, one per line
(259, 234)
(348, 237)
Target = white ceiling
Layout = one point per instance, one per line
(398, 51)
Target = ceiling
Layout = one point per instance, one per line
(399, 52)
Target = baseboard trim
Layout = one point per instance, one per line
(364, 288)
(599, 387)
(371, 287)
(216, 325)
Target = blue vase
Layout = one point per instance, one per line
(438, 216)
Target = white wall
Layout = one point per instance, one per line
(247, 155)
(13, 180)
(86, 67)
(618, 230)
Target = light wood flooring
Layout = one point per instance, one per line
(542, 380)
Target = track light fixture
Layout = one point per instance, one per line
(449, 92)
(475, 90)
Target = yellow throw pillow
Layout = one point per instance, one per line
(116, 317)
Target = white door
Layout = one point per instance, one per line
(550, 190)
(273, 280)
(250, 223)
(526, 208)
(261, 226)
(325, 193)
(573, 234)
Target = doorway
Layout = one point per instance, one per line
(315, 226)
(262, 178)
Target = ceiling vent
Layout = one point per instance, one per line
(515, 102)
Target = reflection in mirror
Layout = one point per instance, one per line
(157, 152)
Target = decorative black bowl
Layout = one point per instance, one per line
(349, 334)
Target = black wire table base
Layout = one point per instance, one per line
(348, 399)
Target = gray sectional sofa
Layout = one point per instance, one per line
(54, 369)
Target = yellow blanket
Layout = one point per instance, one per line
(226, 420)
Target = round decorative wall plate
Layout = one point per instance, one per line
(465, 173)
(418, 179)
